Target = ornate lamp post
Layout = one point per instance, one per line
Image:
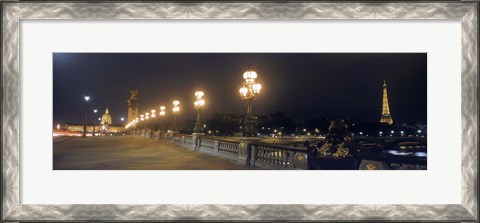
(142, 119)
(147, 117)
(84, 135)
(175, 111)
(161, 125)
(153, 114)
(249, 91)
(94, 121)
(199, 104)
(162, 115)
(137, 120)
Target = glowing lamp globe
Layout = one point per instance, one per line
(250, 75)
(199, 94)
(256, 88)
(243, 91)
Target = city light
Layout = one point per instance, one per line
(95, 110)
(87, 98)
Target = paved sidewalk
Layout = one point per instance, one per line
(132, 153)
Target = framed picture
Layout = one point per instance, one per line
(309, 111)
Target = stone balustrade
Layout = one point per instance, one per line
(278, 157)
(250, 151)
(244, 150)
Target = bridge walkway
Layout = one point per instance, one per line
(132, 153)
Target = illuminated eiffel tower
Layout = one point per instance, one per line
(386, 117)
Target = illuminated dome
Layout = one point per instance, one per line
(106, 118)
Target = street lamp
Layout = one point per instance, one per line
(146, 117)
(136, 126)
(199, 104)
(152, 115)
(249, 91)
(175, 111)
(84, 135)
(162, 114)
(94, 121)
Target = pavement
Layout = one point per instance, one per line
(132, 153)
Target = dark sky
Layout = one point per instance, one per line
(303, 85)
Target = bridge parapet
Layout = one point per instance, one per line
(250, 151)
(244, 150)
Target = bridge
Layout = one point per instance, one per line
(159, 150)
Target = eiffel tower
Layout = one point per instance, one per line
(386, 117)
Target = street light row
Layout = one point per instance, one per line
(249, 91)
(199, 104)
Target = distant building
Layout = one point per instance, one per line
(75, 127)
(106, 118)
(386, 117)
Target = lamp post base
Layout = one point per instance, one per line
(250, 127)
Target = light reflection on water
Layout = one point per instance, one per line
(400, 153)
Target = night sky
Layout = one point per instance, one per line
(303, 85)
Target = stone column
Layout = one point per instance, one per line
(196, 136)
(243, 148)
(253, 154)
(216, 146)
(195, 142)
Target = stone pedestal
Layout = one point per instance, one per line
(245, 149)
(196, 140)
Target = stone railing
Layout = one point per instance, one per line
(274, 156)
(278, 157)
(244, 150)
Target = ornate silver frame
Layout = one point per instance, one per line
(14, 12)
